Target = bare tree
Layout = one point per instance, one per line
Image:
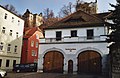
(48, 13)
(66, 10)
(11, 8)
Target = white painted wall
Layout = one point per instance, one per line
(68, 43)
(80, 32)
(80, 47)
(7, 39)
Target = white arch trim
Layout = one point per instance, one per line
(89, 48)
(53, 49)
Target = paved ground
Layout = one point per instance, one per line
(48, 75)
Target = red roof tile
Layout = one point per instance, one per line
(28, 32)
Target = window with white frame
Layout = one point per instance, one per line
(1, 46)
(12, 19)
(36, 44)
(15, 49)
(74, 33)
(3, 30)
(34, 53)
(16, 34)
(37, 36)
(9, 47)
(18, 22)
(10, 32)
(90, 34)
(5, 17)
(32, 43)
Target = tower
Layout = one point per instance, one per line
(32, 20)
(90, 8)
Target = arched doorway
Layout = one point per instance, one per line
(70, 66)
(89, 62)
(53, 62)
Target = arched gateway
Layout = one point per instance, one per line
(89, 62)
(53, 62)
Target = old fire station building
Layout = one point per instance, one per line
(75, 45)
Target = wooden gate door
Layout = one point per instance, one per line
(89, 62)
(70, 66)
(53, 62)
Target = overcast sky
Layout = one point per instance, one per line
(37, 6)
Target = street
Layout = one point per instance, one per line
(48, 75)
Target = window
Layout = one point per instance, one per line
(36, 44)
(90, 34)
(16, 34)
(1, 46)
(5, 16)
(8, 48)
(0, 62)
(58, 35)
(18, 22)
(3, 30)
(32, 43)
(34, 53)
(15, 49)
(14, 62)
(37, 36)
(74, 33)
(7, 63)
(12, 19)
(10, 32)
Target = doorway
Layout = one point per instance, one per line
(70, 66)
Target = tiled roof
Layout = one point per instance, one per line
(77, 19)
(102, 15)
(28, 32)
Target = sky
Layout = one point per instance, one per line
(38, 6)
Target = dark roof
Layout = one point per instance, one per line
(102, 15)
(77, 19)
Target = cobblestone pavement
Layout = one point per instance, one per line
(48, 75)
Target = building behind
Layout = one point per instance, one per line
(32, 20)
(11, 34)
(75, 45)
(32, 33)
(90, 8)
(30, 45)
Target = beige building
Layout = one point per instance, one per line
(90, 8)
(32, 20)
(11, 34)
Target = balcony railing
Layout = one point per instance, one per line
(72, 39)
